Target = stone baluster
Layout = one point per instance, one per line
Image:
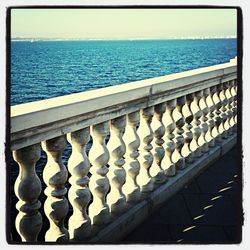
(55, 176)
(204, 121)
(28, 189)
(196, 129)
(145, 158)
(158, 150)
(236, 87)
(116, 175)
(168, 162)
(99, 183)
(211, 107)
(188, 135)
(234, 94)
(132, 166)
(230, 107)
(79, 194)
(226, 108)
(223, 116)
(212, 128)
(179, 139)
(217, 116)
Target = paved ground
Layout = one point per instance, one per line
(208, 210)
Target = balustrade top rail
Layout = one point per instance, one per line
(42, 120)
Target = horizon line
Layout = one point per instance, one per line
(121, 39)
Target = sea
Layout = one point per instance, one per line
(46, 69)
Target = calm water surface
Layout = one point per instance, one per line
(46, 69)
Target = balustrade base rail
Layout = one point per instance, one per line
(137, 213)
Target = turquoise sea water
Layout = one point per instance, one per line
(45, 69)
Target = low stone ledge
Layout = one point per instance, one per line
(128, 221)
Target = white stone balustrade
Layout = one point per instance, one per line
(142, 133)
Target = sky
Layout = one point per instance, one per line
(122, 23)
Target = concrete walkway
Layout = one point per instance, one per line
(208, 210)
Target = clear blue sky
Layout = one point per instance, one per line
(122, 23)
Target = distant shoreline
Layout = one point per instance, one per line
(132, 39)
